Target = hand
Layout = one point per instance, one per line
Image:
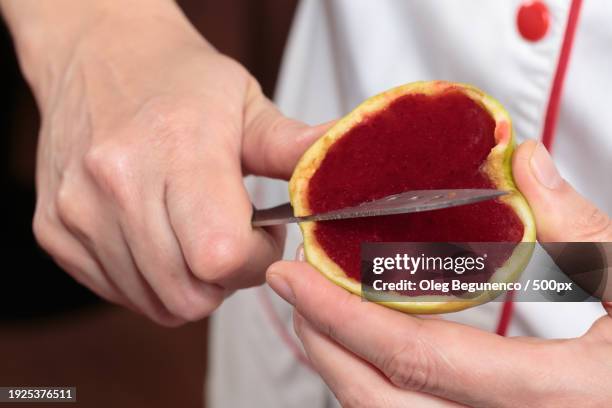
(371, 356)
(147, 132)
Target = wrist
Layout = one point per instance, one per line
(49, 35)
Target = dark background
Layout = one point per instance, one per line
(54, 332)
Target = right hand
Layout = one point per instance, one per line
(147, 132)
(373, 356)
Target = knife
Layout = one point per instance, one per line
(402, 203)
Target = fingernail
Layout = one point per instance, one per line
(299, 253)
(281, 287)
(544, 168)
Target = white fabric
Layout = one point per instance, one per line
(343, 51)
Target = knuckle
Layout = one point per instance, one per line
(594, 225)
(66, 203)
(41, 228)
(410, 367)
(96, 160)
(73, 212)
(113, 169)
(216, 257)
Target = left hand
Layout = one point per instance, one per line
(371, 356)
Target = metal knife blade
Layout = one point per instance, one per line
(407, 202)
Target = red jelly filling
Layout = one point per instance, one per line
(418, 142)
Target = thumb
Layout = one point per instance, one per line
(561, 213)
(273, 143)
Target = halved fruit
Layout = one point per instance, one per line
(419, 136)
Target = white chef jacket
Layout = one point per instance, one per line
(341, 52)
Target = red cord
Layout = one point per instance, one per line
(550, 123)
(506, 315)
(281, 329)
(552, 112)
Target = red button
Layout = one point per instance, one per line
(533, 20)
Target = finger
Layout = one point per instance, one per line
(442, 358)
(105, 242)
(353, 381)
(561, 213)
(272, 143)
(210, 214)
(72, 256)
(158, 255)
(118, 260)
(300, 256)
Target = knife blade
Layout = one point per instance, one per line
(402, 203)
